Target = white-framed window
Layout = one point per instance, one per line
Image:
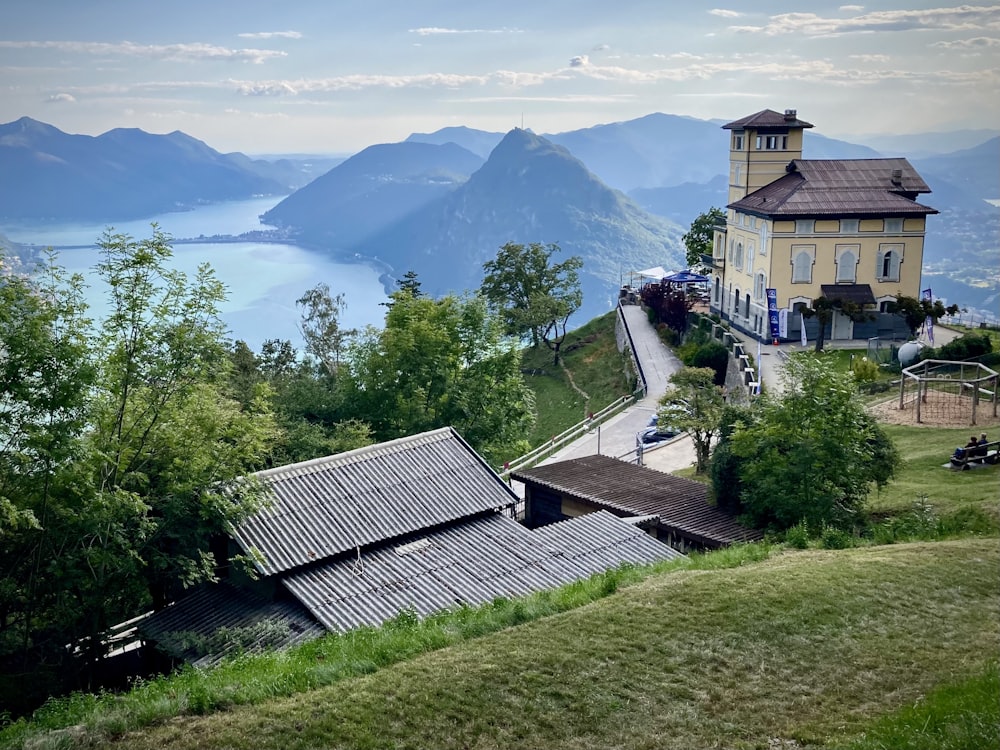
(753, 222)
(736, 301)
(750, 254)
(738, 174)
(893, 226)
(732, 250)
(805, 226)
(847, 257)
(849, 226)
(737, 140)
(738, 260)
(803, 258)
(763, 237)
(772, 142)
(741, 219)
(760, 286)
(888, 261)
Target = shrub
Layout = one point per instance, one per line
(715, 356)
(865, 370)
(797, 537)
(834, 538)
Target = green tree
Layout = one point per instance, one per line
(165, 432)
(824, 309)
(915, 311)
(699, 239)
(694, 404)
(320, 327)
(442, 362)
(811, 454)
(534, 296)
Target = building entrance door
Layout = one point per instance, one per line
(842, 327)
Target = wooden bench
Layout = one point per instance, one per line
(972, 458)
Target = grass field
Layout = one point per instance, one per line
(592, 360)
(812, 647)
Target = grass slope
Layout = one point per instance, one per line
(810, 646)
(591, 361)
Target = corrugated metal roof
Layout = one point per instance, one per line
(189, 628)
(330, 505)
(471, 563)
(840, 187)
(682, 504)
(767, 118)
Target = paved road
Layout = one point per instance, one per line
(617, 436)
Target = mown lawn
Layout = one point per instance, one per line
(809, 646)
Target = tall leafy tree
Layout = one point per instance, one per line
(811, 454)
(325, 338)
(695, 404)
(165, 431)
(442, 362)
(534, 296)
(699, 238)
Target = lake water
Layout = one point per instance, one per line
(263, 279)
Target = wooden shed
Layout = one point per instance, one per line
(686, 519)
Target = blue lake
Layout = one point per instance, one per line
(263, 279)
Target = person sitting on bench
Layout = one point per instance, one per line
(967, 451)
(981, 449)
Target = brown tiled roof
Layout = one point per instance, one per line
(862, 294)
(767, 118)
(840, 187)
(681, 504)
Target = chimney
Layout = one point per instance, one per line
(897, 177)
(790, 115)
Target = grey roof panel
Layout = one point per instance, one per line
(324, 507)
(471, 563)
(189, 629)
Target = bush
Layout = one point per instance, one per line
(968, 346)
(797, 537)
(834, 538)
(865, 370)
(715, 356)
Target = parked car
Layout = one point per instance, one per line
(656, 434)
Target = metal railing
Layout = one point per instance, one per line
(567, 436)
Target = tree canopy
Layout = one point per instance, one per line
(534, 296)
(810, 454)
(916, 311)
(698, 240)
(694, 404)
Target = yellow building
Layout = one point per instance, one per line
(844, 229)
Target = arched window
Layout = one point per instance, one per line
(888, 266)
(738, 262)
(736, 301)
(802, 263)
(718, 291)
(746, 314)
(750, 257)
(847, 264)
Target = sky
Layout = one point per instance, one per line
(328, 77)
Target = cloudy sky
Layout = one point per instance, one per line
(319, 76)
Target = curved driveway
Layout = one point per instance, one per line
(617, 436)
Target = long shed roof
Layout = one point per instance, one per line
(327, 506)
(605, 482)
(470, 563)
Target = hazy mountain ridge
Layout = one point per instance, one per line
(371, 190)
(122, 174)
(529, 190)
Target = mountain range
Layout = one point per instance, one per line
(619, 195)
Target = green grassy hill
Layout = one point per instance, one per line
(806, 648)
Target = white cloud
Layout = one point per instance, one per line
(961, 18)
(851, 8)
(722, 13)
(978, 42)
(60, 98)
(191, 52)
(271, 35)
(870, 58)
(579, 61)
(435, 30)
